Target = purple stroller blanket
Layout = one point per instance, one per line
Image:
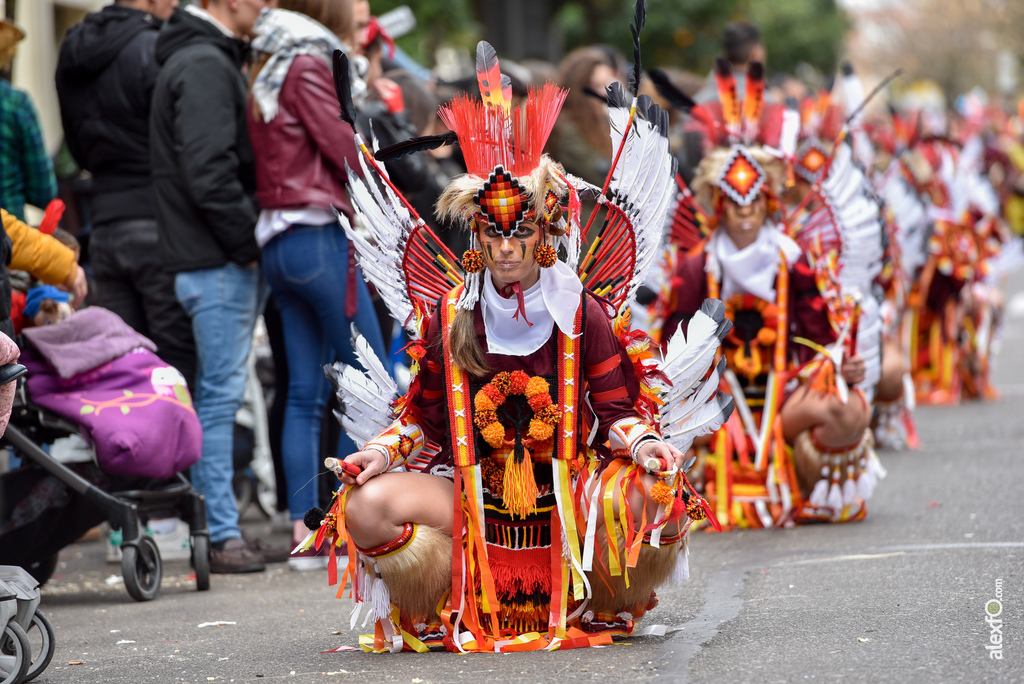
(135, 409)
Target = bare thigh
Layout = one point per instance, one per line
(376, 512)
(837, 424)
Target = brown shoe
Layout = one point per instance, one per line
(271, 554)
(236, 556)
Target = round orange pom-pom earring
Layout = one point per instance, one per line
(472, 261)
(545, 255)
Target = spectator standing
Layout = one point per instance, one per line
(26, 171)
(582, 136)
(203, 180)
(741, 45)
(105, 77)
(302, 150)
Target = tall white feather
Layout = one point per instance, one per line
(692, 404)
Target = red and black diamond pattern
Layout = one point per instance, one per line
(503, 201)
(811, 158)
(742, 177)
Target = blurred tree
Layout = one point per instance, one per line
(687, 33)
(796, 31)
(438, 22)
(682, 33)
(956, 43)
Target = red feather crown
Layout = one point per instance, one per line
(509, 179)
(735, 124)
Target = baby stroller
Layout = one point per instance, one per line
(137, 415)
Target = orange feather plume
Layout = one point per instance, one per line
(727, 95)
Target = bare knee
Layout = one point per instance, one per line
(367, 514)
(376, 512)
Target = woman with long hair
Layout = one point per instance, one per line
(581, 140)
(301, 153)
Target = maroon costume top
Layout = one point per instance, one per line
(808, 317)
(609, 374)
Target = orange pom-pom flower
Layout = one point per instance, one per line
(472, 261)
(540, 431)
(536, 385)
(662, 494)
(494, 434)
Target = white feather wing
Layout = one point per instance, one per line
(365, 398)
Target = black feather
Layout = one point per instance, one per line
(755, 71)
(635, 28)
(343, 88)
(722, 67)
(420, 144)
(676, 98)
(616, 98)
(593, 93)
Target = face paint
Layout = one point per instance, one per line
(510, 259)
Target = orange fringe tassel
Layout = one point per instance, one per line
(519, 487)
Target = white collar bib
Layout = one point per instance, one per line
(553, 299)
(754, 268)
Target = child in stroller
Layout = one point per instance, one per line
(93, 374)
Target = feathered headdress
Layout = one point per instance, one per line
(740, 126)
(509, 179)
(738, 172)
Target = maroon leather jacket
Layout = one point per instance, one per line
(301, 153)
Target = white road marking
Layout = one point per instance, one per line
(852, 557)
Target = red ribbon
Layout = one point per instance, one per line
(517, 289)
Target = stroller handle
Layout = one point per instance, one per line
(9, 372)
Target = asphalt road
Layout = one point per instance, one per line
(898, 597)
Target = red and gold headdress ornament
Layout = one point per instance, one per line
(736, 165)
(508, 179)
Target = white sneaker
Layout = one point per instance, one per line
(174, 545)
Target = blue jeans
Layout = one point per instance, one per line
(223, 304)
(307, 270)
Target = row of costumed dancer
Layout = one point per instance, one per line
(559, 441)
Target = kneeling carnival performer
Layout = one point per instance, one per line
(555, 498)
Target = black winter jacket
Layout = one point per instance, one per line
(105, 76)
(203, 169)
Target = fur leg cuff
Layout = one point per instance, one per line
(415, 569)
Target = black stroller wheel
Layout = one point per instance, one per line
(15, 654)
(201, 561)
(42, 643)
(142, 569)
